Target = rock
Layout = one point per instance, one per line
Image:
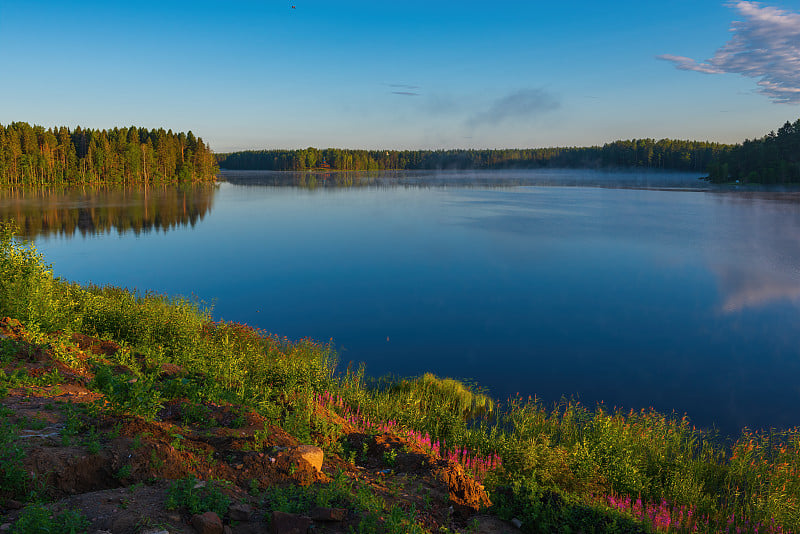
(328, 514)
(467, 496)
(5, 527)
(240, 512)
(516, 522)
(311, 455)
(11, 504)
(170, 370)
(207, 523)
(283, 523)
(155, 531)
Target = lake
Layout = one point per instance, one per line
(634, 289)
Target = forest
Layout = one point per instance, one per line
(772, 159)
(33, 155)
(643, 153)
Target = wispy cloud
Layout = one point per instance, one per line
(765, 45)
(404, 89)
(522, 104)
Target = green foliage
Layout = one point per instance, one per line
(197, 497)
(375, 515)
(641, 153)
(772, 159)
(547, 510)
(28, 291)
(36, 519)
(14, 479)
(390, 457)
(123, 472)
(31, 155)
(137, 395)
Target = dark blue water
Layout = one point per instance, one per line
(681, 299)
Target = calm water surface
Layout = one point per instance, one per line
(676, 296)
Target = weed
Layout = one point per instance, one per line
(8, 349)
(123, 472)
(177, 441)
(197, 497)
(136, 395)
(14, 479)
(115, 431)
(34, 423)
(36, 519)
(197, 414)
(72, 423)
(390, 457)
(156, 462)
(92, 441)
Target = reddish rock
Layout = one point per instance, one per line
(283, 523)
(240, 512)
(311, 455)
(207, 523)
(328, 514)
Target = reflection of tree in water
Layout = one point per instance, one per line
(90, 210)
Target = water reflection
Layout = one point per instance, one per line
(476, 178)
(761, 263)
(92, 210)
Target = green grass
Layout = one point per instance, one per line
(553, 465)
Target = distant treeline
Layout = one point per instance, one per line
(645, 153)
(33, 155)
(773, 159)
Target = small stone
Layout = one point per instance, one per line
(240, 512)
(516, 522)
(328, 514)
(5, 526)
(283, 523)
(207, 523)
(155, 531)
(175, 518)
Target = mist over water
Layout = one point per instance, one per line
(656, 291)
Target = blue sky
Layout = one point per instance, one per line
(407, 75)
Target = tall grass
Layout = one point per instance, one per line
(547, 465)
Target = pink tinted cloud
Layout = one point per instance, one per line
(765, 45)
